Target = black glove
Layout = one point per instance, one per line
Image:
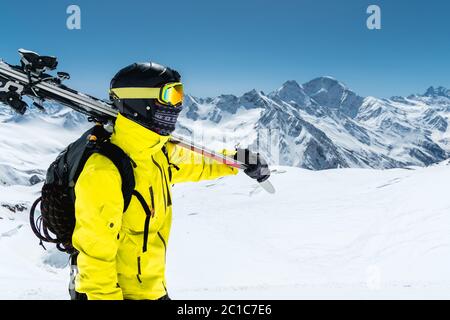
(257, 167)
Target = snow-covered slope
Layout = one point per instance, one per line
(343, 233)
(30, 143)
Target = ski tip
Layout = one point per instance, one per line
(268, 186)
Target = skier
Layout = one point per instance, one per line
(122, 255)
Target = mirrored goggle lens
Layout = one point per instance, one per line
(173, 95)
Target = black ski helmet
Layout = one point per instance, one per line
(143, 75)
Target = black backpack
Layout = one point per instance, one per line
(57, 220)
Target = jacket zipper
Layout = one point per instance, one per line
(165, 246)
(139, 269)
(146, 227)
(170, 174)
(167, 199)
(152, 198)
(148, 212)
(148, 217)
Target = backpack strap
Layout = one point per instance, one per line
(124, 165)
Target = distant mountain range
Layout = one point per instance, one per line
(322, 124)
(319, 125)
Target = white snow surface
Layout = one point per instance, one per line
(333, 234)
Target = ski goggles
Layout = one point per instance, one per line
(171, 94)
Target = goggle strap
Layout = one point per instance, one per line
(136, 93)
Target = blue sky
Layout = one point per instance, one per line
(233, 46)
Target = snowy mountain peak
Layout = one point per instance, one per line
(324, 83)
(290, 85)
(331, 93)
(251, 95)
(437, 92)
(291, 92)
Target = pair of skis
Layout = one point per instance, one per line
(30, 79)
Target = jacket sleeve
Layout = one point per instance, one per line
(98, 211)
(189, 166)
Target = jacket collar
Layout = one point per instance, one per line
(135, 140)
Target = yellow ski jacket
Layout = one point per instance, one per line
(118, 257)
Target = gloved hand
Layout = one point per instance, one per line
(257, 167)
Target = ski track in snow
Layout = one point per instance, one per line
(344, 233)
